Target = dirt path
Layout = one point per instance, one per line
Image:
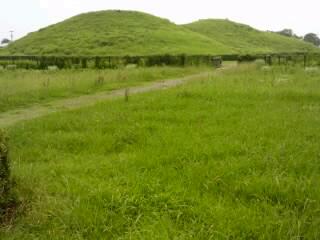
(12, 117)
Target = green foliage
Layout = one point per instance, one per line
(244, 39)
(5, 41)
(103, 62)
(286, 32)
(24, 64)
(234, 155)
(117, 33)
(5, 184)
(312, 38)
(4, 162)
(260, 63)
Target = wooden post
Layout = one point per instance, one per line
(268, 60)
(217, 62)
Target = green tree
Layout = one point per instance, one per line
(286, 32)
(312, 38)
(5, 41)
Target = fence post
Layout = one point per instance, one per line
(268, 59)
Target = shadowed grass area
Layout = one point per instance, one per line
(21, 88)
(235, 156)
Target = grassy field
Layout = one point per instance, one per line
(21, 88)
(245, 39)
(233, 156)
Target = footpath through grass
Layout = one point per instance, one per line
(21, 88)
(230, 157)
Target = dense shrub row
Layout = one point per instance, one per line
(100, 62)
(5, 183)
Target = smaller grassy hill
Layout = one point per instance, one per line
(115, 33)
(245, 39)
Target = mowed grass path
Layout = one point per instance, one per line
(22, 88)
(235, 156)
(11, 118)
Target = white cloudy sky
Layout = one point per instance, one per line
(302, 16)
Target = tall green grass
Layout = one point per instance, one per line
(21, 88)
(233, 156)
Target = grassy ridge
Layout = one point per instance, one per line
(245, 39)
(115, 33)
(24, 87)
(234, 156)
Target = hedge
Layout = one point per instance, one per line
(101, 62)
(6, 197)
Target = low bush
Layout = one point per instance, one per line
(260, 63)
(6, 197)
(12, 67)
(53, 68)
(113, 62)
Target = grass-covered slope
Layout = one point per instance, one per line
(245, 39)
(135, 33)
(115, 33)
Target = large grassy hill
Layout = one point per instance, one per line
(115, 33)
(245, 39)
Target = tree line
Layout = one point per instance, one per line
(309, 37)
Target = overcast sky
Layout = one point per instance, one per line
(302, 16)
